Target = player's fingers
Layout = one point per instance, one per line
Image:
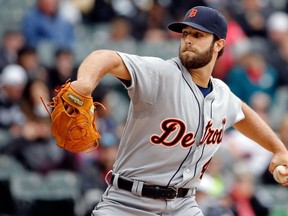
(68, 108)
(272, 168)
(285, 183)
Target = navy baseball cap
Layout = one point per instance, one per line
(205, 19)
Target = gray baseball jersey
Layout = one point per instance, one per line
(172, 130)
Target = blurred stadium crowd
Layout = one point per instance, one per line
(42, 44)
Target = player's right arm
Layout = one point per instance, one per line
(95, 66)
(253, 127)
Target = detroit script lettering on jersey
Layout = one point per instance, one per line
(175, 131)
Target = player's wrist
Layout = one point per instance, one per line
(83, 87)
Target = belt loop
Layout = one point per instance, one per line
(139, 188)
(115, 180)
(134, 187)
(191, 192)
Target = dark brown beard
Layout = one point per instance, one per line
(199, 60)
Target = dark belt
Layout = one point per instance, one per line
(156, 192)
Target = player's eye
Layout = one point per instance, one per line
(197, 35)
(184, 33)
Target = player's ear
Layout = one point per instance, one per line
(219, 44)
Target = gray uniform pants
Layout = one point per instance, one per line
(124, 203)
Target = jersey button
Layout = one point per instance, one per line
(187, 170)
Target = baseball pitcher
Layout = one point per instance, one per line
(176, 120)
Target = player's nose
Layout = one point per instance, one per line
(188, 40)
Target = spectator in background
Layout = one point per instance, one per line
(29, 59)
(43, 23)
(98, 11)
(246, 202)
(120, 30)
(277, 26)
(252, 17)
(156, 24)
(64, 67)
(13, 80)
(35, 148)
(252, 74)
(118, 35)
(12, 41)
(31, 104)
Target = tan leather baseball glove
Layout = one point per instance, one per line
(73, 120)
